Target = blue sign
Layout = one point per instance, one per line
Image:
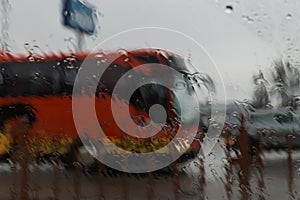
(79, 16)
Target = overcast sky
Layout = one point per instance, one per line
(237, 42)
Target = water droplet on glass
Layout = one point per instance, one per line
(99, 55)
(122, 52)
(228, 9)
(180, 85)
(26, 45)
(129, 76)
(289, 16)
(70, 67)
(31, 58)
(247, 19)
(234, 114)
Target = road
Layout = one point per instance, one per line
(280, 176)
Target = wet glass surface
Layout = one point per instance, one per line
(253, 45)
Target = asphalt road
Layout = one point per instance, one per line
(279, 179)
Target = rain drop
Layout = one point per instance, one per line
(99, 55)
(122, 52)
(31, 59)
(247, 19)
(289, 16)
(70, 67)
(228, 9)
(180, 85)
(26, 45)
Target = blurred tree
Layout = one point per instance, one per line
(285, 83)
(283, 86)
(260, 96)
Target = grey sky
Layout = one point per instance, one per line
(238, 47)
